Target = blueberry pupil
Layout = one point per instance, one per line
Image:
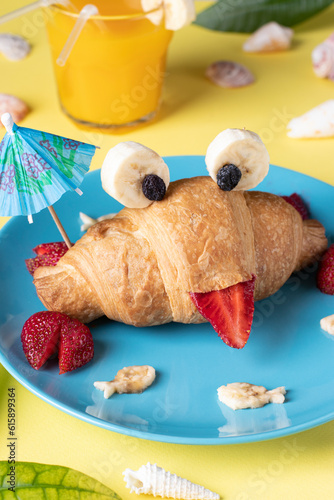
(153, 187)
(228, 177)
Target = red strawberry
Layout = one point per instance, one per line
(39, 337)
(325, 277)
(230, 311)
(48, 254)
(55, 247)
(45, 331)
(296, 201)
(76, 346)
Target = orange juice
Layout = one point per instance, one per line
(114, 74)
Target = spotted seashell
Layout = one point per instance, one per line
(229, 74)
(14, 47)
(153, 480)
(13, 105)
(271, 37)
(323, 59)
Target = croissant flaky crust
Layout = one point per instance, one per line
(139, 267)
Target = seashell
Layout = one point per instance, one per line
(229, 74)
(129, 380)
(271, 37)
(14, 47)
(323, 59)
(13, 105)
(89, 221)
(318, 122)
(154, 480)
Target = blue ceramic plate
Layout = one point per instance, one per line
(286, 346)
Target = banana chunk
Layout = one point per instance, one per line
(237, 159)
(129, 380)
(327, 324)
(129, 170)
(177, 13)
(240, 395)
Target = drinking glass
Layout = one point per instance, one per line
(114, 74)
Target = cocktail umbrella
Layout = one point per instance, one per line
(37, 168)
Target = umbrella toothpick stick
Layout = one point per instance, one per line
(60, 226)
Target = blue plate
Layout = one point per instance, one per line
(286, 346)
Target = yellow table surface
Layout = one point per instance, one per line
(193, 112)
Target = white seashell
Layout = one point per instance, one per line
(323, 59)
(89, 221)
(318, 122)
(229, 74)
(14, 47)
(271, 37)
(153, 480)
(13, 105)
(129, 380)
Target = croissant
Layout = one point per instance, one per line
(139, 267)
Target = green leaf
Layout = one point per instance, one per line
(245, 16)
(50, 482)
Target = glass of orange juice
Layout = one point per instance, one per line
(114, 74)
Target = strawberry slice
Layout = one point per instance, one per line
(55, 247)
(325, 277)
(76, 347)
(39, 337)
(230, 311)
(298, 203)
(44, 332)
(48, 254)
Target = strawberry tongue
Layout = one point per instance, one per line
(230, 311)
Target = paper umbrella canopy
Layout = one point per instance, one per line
(37, 168)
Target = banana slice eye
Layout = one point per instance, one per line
(237, 159)
(134, 175)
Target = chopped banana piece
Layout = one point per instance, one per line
(241, 395)
(89, 221)
(327, 324)
(131, 379)
(177, 13)
(242, 151)
(124, 170)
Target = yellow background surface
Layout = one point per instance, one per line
(193, 112)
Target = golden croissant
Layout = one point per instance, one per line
(141, 266)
